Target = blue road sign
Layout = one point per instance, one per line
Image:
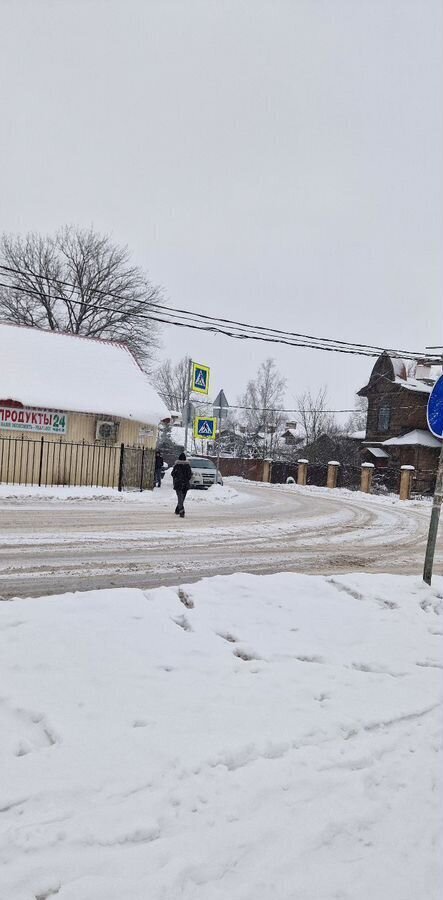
(435, 409)
(205, 428)
(200, 378)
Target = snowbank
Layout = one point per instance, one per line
(157, 498)
(334, 493)
(245, 737)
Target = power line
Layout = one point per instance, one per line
(183, 313)
(209, 328)
(203, 322)
(313, 409)
(203, 317)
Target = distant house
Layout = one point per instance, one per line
(290, 435)
(396, 430)
(291, 438)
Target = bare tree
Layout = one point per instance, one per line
(171, 382)
(80, 282)
(263, 399)
(357, 419)
(313, 415)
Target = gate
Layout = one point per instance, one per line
(50, 463)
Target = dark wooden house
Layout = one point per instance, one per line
(397, 432)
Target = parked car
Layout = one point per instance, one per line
(204, 472)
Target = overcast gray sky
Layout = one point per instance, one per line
(278, 161)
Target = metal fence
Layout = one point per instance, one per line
(386, 480)
(50, 463)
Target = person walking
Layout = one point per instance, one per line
(158, 469)
(181, 477)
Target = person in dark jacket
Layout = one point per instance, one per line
(158, 469)
(181, 477)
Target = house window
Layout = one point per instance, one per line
(384, 418)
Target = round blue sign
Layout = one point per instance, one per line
(435, 409)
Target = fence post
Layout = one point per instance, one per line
(406, 482)
(302, 471)
(142, 469)
(333, 467)
(40, 465)
(366, 477)
(267, 466)
(120, 468)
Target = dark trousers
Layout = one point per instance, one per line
(158, 477)
(181, 494)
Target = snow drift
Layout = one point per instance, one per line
(273, 736)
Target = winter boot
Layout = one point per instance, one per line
(182, 513)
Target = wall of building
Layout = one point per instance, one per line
(82, 427)
(76, 458)
(408, 410)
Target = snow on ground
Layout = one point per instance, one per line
(217, 493)
(159, 497)
(244, 737)
(387, 499)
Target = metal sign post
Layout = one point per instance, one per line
(187, 410)
(435, 423)
(197, 382)
(219, 410)
(433, 525)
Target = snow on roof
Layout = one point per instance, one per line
(292, 431)
(400, 368)
(63, 371)
(378, 452)
(418, 437)
(358, 435)
(412, 384)
(178, 435)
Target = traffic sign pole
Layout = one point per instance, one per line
(221, 406)
(190, 367)
(433, 525)
(435, 423)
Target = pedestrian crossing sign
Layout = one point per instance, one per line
(200, 378)
(205, 428)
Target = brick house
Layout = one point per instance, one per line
(397, 432)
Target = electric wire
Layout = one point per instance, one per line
(219, 325)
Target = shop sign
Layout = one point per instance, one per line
(42, 420)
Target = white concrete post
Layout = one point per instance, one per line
(367, 470)
(333, 467)
(302, 471)
(406, 482)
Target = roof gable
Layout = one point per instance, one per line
(395, 371)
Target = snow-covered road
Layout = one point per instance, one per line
(51, 546)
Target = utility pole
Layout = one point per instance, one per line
(187, 410)
(434, 416)
(219, 408)
(433, 525)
